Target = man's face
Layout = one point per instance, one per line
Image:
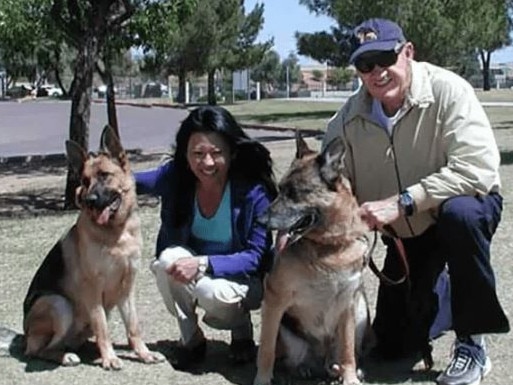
(387, 81)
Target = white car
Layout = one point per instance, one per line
(49, 90)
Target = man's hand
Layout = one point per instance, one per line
(380, 213)
(184, 270)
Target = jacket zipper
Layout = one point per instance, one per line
(398, 176)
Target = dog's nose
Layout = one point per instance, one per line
(91, 199)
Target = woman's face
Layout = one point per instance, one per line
(209, 157)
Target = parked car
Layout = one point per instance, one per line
(102, 90)
(49, 90)
(19, 91)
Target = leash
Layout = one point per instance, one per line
(426, 351)
(402, 256)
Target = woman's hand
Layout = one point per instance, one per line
(380, 213)
(184, 270)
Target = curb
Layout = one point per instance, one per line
(61, 157)
(46, 158)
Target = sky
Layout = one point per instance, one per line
(284, 17)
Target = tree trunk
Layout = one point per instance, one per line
(57, 73)
(485, 61)
(181, 86)
(111, 103)
(81, 109)
(211, 87)
(105, 73)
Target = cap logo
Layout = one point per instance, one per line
(366, 35)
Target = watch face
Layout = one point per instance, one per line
(406, 199)
(406, 202)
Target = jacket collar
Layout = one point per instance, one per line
(420, 94)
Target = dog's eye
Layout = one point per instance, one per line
(289, 191)
(103, 174)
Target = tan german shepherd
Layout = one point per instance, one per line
(92, 268)
(314, 307)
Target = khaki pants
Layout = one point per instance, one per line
(225, 301)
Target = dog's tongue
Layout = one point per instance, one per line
(282, 239)
(104, 216)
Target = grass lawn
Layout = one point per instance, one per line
(291, 113)
(31, 222)
(285, 113)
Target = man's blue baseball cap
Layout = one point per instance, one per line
(375, 35)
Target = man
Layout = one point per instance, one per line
(422, 159)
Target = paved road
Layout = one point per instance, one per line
(41, 127)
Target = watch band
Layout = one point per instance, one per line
(406, 203)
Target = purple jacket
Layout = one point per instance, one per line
(251, 244)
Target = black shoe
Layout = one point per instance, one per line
(242, 351)
(184, 357)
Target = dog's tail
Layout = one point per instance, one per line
(11, 343)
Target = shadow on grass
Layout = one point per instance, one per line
(506, 157)
(284, 116)
(41, 200)
(46, 202)
(503, 125)
(396, 371)
(216, 361)
(56, 164)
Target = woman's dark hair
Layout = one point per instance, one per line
(250, 159)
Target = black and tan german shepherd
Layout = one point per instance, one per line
(314, 312)
(92, 268)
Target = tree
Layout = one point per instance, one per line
(290, 72)
(232, 40)
(331, 48)
(27, 41)
(317, 75)
(489, 32)
(163, 32)
(215, 34)
(267, 72)
(86, 25)
(339, 76)
(273, 73)
(443, 31)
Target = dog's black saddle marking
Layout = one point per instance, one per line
(47, 278)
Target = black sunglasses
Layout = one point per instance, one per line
(384, 59)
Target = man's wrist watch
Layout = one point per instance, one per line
(202, 266)
(406, 203)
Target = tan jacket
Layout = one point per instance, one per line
(441, 146)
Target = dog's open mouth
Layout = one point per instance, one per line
(295, 232)
(104, 212)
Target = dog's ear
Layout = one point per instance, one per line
(331, 161)
(76, 156)
(302, 148)
(109, 143)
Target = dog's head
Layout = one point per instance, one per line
(315, 200)
(106, 192)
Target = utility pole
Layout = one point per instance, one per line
(288, 81)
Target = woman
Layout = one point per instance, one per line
(211, 250)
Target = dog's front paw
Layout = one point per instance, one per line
(347, 377)
(152, 357)
(111, 363)
(262, 380)
(350, 379)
